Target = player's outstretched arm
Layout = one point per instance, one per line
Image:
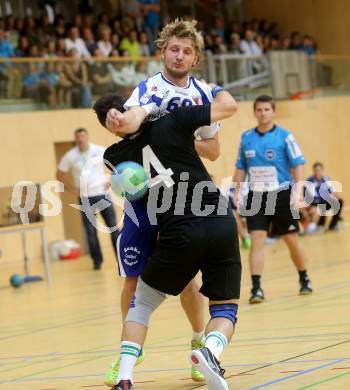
(223, 106)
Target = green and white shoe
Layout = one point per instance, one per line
(113, 370)
(196, 375)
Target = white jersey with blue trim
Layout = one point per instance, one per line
(165, 96)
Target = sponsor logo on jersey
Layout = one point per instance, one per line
(270, 154)
(250, 153)
(131, 254)
(154, 88)
(145, 98)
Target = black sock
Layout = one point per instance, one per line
(256, 281)
(303, 275)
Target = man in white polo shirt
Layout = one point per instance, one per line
(85, 162)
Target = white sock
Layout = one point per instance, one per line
(129, 352)
(216, 342)
(198, 336)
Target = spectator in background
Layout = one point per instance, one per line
(144, 46)
(23, 47)
(99, 75)
(234, 44)
(51, 49)
(64, 92)
(115, 41)
(6, 49)
(102, 22)
(89, 39)
(74, 41)
(31, 81)
(77, 74)
(60, 27)
(91, 194)
(295, 41)
(285, 44)
(13, 33)
(104, 44)
(78, 21)
(275, 43)
(151, 20)
(323, 196)
(87, 21)
(61, 49)
(208, 42)
(132, 10)
(45, 30)
(117, 27)
(260, 42)
(218, 45)
(309, 45)
(131, 45)
(30, 30)
(19, 26)
(232, 28)
(248, 45)
(218, 28)
(48, 80)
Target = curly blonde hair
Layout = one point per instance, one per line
(181, 28)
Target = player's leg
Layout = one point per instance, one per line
(242, 231)
(337, 216)
(286, 226)
(192, 302)
(89, 223)
(256, 262)
(110, 218)
(219, 332)
(258, 226)
(134, 246)
(221, 273)
(135, 328)
(298, 257)
(127, 294)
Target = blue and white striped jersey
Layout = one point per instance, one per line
(268, 158)
(165, 97)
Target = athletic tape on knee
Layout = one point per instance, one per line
(146, 301)
(225, 310)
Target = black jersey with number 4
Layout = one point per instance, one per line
(166, 147)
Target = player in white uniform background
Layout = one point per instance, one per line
(181, 46)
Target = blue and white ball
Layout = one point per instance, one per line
(129, 181)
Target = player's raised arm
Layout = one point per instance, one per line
(223, 106)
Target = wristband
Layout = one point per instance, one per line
(216, 90)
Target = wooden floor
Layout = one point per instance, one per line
(65, 336)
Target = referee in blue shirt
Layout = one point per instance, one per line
(273, 161)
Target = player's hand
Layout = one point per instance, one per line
(112, 121)
(297, 201)
(115, 121)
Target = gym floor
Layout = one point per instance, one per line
(64, 337)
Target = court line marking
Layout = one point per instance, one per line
(282, 361)
(329, 379)
(285, 378)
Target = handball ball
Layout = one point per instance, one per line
(129, 180)
(16, 280)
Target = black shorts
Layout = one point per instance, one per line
(278, 221)
(191, 244)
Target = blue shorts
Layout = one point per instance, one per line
(135, 243)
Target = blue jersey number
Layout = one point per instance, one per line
(175, 103)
